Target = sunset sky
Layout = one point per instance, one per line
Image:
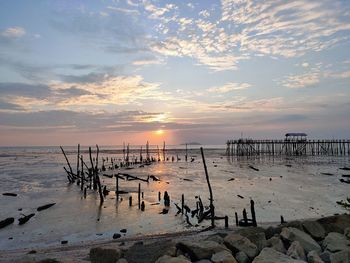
(112, 71)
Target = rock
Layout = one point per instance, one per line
(269, 255)
(291, 234)
(146, 253)
(236, 243)
(347, 232)
(169, 259)
(335, 223)
(340, 257)
(314, 229)
(296, 251)
(326, 256)
(272, 231)
(277, 244)
(200, 250)
(123, 230)
(104, 255)
(242, 257)
(335, 242)
(256, 235)
(122, 260)
(116, 235)
(223, 257)
(49, 260)
(63, 242)
(313, 257)
(216, 238)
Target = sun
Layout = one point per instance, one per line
(159, 132)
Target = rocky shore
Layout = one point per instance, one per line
(315, 241)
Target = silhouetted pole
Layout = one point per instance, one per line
(212, 209)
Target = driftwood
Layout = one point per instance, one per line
(132, 177)
(9, 194)
(44, 207)
(252, 167)
(6, 222)
(25, 219)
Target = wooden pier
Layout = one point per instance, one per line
(297, 147)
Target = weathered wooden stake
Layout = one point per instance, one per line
(159, 196)
(236, 216)
(182, 203)
(130, 200)
(212, 208)
(245, 218)
(70, 167)
(143, 206)
(138, 196)
(226, 221)
(252, 209)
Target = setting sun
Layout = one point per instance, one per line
(159, 132)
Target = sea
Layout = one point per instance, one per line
(296, 187)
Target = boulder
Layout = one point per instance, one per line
(326, 256)
(147, 253)
(200, 249)
(169, 259)
(296, 251)
(223, 257)
(314, 229)
(104, 255)
(216, 238)
(236, 243)
(242, 257)
(256, 235)
(291, 234)
(347, 233)
(335, 223)
(335, 242)
(272, 231)
(313, 257)
(269, 255)
(277, 244)
(122, 260)
(340, 257)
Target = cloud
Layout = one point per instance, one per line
(24, 90)
(124, 10)
(302, 80)
(14, 32)
(9, 106)
(231, 86)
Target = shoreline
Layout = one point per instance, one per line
(80, 252)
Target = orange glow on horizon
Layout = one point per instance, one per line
(160, 132)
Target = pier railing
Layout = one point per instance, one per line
(249, 147)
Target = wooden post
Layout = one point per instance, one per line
(226, 221)
(252, 209)
(70, 167)
(117, 186)
(186, 153)
(143, 206)
(142, 195)
(282, 220)
(212, 208)
(130, 200)
(85, 192)
(182, 203)
(163, 151)
(159, 196)
(245, 218)
(138, 196)
(236, 216)
(82, 174)
(78, 157)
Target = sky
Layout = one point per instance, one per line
(204, 71)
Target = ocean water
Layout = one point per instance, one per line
(295, 187)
